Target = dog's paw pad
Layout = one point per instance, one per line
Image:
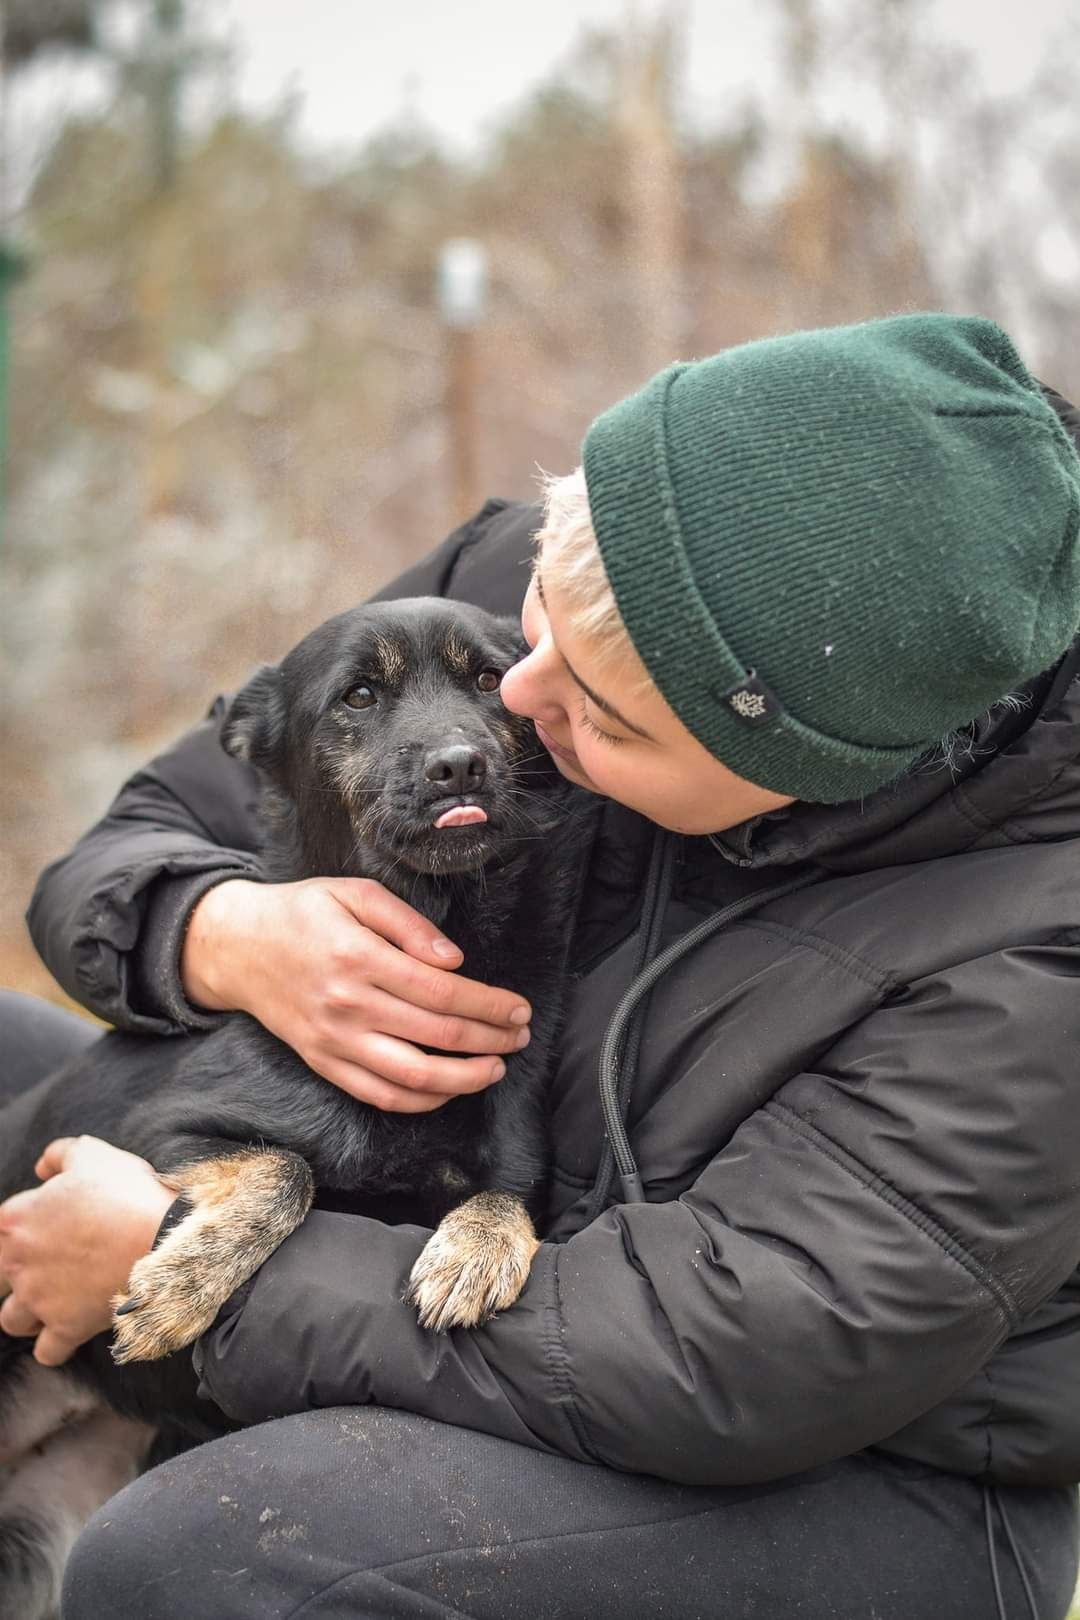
(462, 1278)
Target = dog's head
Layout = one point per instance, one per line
(383, 738)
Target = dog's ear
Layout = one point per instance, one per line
(254, 728)
(507, 631)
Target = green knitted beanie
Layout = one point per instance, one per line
(830, 549)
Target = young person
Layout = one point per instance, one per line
(801, 1335)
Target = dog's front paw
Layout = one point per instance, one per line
(244, 1203)
(168, 1305)
(475, 1263)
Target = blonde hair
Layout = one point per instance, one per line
(573, 563)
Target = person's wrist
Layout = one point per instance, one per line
(155, 1208)
(207, 956)
(143, 1222)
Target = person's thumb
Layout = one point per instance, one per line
(55, 1157)
(52, 1349)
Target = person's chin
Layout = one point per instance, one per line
(564, 759)
(574, 773)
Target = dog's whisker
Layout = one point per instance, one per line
(516, 815)
(519, 810)
(532, 793)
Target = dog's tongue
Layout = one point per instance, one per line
(462, 815)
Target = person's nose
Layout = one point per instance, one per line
(527, 686)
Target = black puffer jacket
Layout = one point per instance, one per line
(856, 1114)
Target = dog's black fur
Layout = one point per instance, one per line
(377, 722)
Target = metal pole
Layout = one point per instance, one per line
(462, 290)
(164, 90)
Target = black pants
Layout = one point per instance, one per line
(357, 1513)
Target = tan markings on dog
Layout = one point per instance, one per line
(47, 1498)
(40, 1401)
(389, 660)
(342, 721)
(512, 738)
(245, 1204)
(475, 1263)
(456, 656)
(350, 770)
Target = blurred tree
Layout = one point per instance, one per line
(653, 180)
(28, 27)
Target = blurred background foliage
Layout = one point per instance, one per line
(233, 396)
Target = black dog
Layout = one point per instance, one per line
(384, 752)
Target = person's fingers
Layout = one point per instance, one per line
(13, 1207)
(55, 1157)
(405, 1065)
(53, 1349)
(395, 920)
(18, 1320)
(398, 1079)
(447, 993)
(447, 1032)
(371, 1088)
(398, 924)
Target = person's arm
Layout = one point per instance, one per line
(857, 1251)
(109, 919)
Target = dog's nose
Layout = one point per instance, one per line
(457, 768)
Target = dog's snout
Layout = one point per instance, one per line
(456, 768)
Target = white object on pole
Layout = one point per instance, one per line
(462, 281)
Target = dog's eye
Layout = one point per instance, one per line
(489, 680)
(360, 697)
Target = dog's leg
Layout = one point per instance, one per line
(46, 1497)
(475, 1263)
(244, 1203)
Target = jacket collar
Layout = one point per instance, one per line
(1017, 779)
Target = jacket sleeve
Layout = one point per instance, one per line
(852, 1255)
(108, 918)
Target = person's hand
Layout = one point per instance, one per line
(356, 982)
(67, 1248)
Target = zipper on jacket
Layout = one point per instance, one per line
(622, 1038)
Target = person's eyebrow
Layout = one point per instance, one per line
(601, 703)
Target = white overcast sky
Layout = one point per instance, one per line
(352, 66)
(354, 61)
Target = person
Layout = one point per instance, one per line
(801, 1334)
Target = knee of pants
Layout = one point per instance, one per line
(95, 1575)
(133, 1559)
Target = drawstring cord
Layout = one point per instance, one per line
(622, 1039)
(658, 882)
(992, 1500)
